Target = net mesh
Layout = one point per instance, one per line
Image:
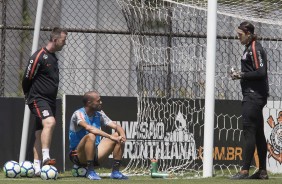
(169, 43)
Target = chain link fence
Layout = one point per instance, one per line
(98, 51)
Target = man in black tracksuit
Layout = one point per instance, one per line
(255, 89)
(40, 86)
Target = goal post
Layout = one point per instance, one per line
(26, 110)
(210, 88)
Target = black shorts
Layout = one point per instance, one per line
(74, 158)
(42, 110)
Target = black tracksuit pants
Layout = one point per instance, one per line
(253, 130)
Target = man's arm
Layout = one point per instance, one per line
(113, 125)
(30, 71)
(27, 81)
(97, 131)
(118, 129)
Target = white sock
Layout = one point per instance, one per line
(45, 154)
(37, 165)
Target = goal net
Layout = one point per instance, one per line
(169, 45)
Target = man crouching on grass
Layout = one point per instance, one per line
(86, 146)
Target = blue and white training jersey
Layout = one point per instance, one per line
(77, 132)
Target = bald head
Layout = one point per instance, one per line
(89, 96)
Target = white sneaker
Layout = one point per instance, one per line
(37, 173)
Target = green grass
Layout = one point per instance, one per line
(66, 178)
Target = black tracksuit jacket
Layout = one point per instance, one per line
(254, 67)
(41, 77)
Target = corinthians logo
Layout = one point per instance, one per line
(275, 145)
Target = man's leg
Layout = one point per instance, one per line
(249, 149)
(250, 120)
(46, 138)
(261, 147)
(86, 153)
(261, 144)
(249, 131)
(46, 122)
(37, 154)
(117, 155)
(105, 148)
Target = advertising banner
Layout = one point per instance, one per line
(273, 132)
(172, 134)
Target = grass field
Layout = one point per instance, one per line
(68, 178)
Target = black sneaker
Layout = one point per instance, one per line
(239, 176)
(261, 174)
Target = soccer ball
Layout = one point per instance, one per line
(27, 169)
(49, 172)
(12, 169)
(78, 171)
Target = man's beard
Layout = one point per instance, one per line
(98, 108)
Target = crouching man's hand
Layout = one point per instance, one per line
(118, 139)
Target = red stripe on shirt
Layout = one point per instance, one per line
(35, 63)
(37, 109)
(255, 55)
(81, 115)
